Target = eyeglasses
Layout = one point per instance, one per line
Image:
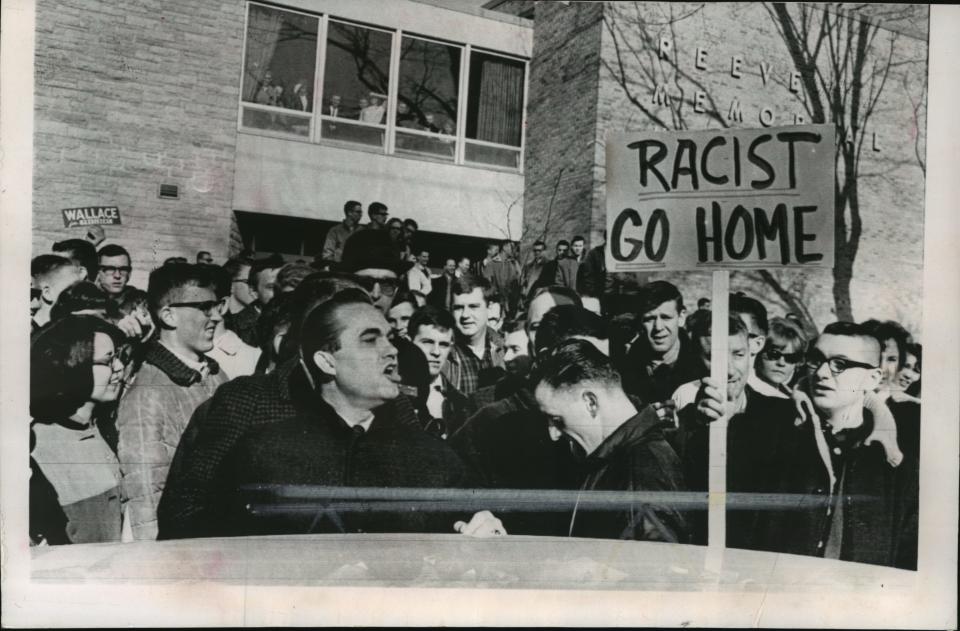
(112, 269)
(387, 285)
(791, 358)
(837, 365)
(208, 307)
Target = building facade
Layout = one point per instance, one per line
(212, 125)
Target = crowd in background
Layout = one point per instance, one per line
(205, 405)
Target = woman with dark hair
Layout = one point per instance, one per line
(909, 376)
(74, 367)
(84, 298)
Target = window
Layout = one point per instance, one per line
(356, 84)
(426, 116)
(494, 110)
(380, 89)
(278, 70)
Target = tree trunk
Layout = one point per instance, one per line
(842, 274)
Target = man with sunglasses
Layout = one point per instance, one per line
(175, 378)
(114, 270)
(855, 508)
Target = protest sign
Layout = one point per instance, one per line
(718, 199)
(91, 216)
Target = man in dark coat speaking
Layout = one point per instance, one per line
(264, 454)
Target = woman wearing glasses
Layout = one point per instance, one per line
(777, 363)
(74, 368)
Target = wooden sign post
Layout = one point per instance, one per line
(718, 200)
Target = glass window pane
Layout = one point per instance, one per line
(347, 132)
(496, 156)
(495, 99)
(276, 121)
(429, 82)
(281, 57)
(356, 81)
(441, 146)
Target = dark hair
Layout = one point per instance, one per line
(395, 220)
(167, 279)
(411, 222)
(276, 315)
(175, 260)
(577, 238)
(430, 315)
(563, 242)
(222, 282)
(233, 265)
(852, 329)
(467, 283)
(350, 204)
(701, 302)
(402, 297)
(83, 252)
(917, 351)
(312, 290)
(130, 298)
(565, 321)
(201, 253)
(45, 264)
(890, 330)
(573, 362)
(513, 325)
(291, 275)
(274, 261)
(561, 291)
(113, 249)
(321, 329)
(699, 324)
(741, 303)
(654, 294)
(540, 243)
(83, 296)
(61, 365)
(375, 208)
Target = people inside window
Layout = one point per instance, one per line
(374, 112)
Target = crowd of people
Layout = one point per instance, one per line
(243, 398)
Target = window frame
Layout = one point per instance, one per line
(316, 117)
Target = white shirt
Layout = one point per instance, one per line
(235, 357)
(418, 279)
(768, 390)
(435, 398)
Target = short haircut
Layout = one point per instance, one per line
(431, 315)
(495, 297)
(395, 221)
(234, 265)
(81, 251)
(574, 362)
(291, 275)
(222, 282)
(410, 222)
(321, 328)
(741, 303)
(852, 329)
(83, 296)
(702, 302)
(699, 324)
(350, 204)
(61, 365)
(786, 330)
(201, 253)
(577, 238)
(560, 291)
(168, 280)
(375, 208)
(469, 282)
(540, 243)
(274, 261)
(566, 321)
(514, 325)
(313, 290)
(654, 294)
(173, 260)
(130, 298)
(563, 242)
(44, 265)
(890, 330)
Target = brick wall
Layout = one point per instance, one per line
(129, 95)
(887, 274)
(561, 121)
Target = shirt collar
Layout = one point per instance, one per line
(181, 370)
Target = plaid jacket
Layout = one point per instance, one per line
(463, 367)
